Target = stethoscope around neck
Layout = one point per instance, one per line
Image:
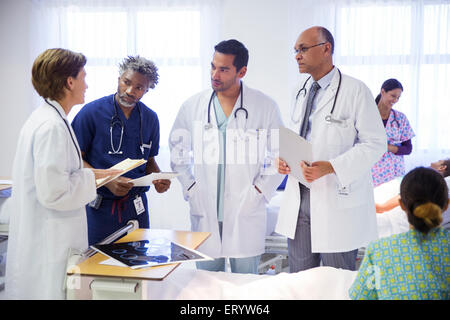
(328, 118)
(115, 120)
(241, 107)
(70, 132)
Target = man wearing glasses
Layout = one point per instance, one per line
(327, 221)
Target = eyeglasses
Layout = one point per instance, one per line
(303, 50)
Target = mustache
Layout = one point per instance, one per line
(126, 95)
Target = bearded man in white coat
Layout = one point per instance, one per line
(223, 142)
(50, 186)
(329, 221)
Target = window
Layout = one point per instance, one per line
(409, 41)
(169, 37)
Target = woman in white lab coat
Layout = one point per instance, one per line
(50, 187)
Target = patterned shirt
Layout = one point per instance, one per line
(409, 265)
(391, 165)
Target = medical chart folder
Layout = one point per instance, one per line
(125, 165)
(149, 253)
(293, 149)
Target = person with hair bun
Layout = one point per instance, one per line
(399, 134)
(414, 264)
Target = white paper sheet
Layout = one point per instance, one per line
(147, 180)
(293, 149)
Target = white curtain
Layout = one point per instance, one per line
(404, 39)
(178, 35)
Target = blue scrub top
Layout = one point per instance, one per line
(92, 129)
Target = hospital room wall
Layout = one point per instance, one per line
(261, 25)
(16, 91)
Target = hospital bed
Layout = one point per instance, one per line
(276, 251)
(5, 193)
(393, 221)
(321, 283)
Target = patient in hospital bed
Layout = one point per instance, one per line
(321, 283)
(391, 218)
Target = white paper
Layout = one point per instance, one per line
(113, 262)
(5, 181)
(147, 180)
(293, 149)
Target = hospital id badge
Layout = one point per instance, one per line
(139, 205)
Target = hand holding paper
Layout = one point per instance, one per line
(147, 180)
(283, 168)
(105, 173)
(161, 185)
(316, 170)
(120, 186)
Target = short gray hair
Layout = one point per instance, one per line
(141, 65)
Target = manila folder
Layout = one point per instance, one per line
(125, 165)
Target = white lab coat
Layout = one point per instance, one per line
(339, 222)
(244, 222)
(48, 215)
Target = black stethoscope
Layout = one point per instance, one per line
(329, 119)
(115, 120)
(241, 108)
(70, 132)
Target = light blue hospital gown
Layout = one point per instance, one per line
(405, 266)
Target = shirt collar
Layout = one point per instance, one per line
(325, 81)
(58, 107)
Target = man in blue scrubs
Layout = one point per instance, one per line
(112, 129)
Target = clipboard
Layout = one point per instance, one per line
(293, 149)
(125, 165)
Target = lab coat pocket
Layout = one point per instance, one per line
(252, 202)
(351, 196)
(195, 203)
(342, 132)
(62, 233)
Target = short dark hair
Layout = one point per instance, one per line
(52, 68)
(235, 48)
(328, 37)
(388, 85)
(424, 193)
